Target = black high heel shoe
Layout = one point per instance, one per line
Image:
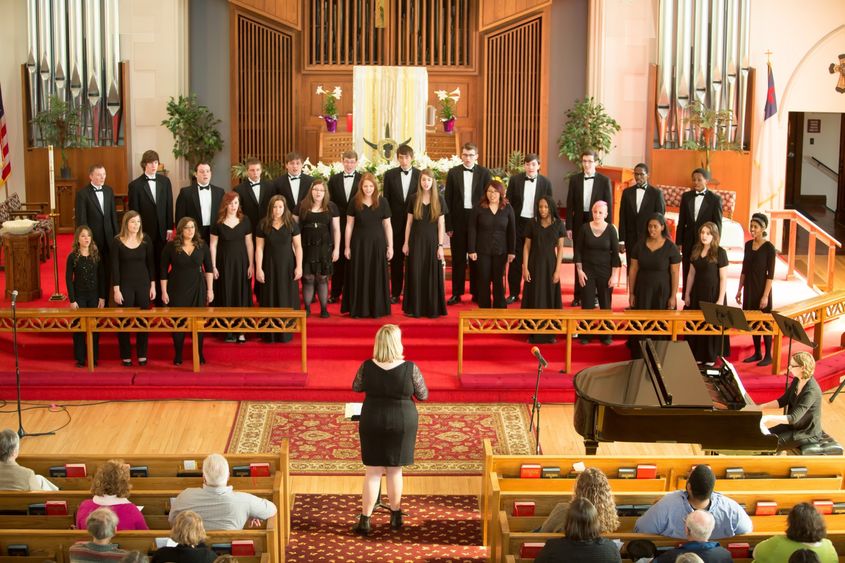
(363, 525)
(396, 519)
(127, 363)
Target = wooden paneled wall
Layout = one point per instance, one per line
(495, 13)
(287, 12)
(263, 102)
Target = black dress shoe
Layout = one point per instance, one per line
(332, 300)
(202, 359)
(753, 358)
(126, 363)
(177, 361)
(576, 302)
(454, 300)
(394, 300)
(511, 299)
(767, 361)
(142, 362)
(80, 364)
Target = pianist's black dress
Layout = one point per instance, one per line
(705, 287)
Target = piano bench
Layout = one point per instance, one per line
(826, 446)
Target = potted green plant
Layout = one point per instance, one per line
(194, 130)
(711, 127)
(60, 126)
(587, 127)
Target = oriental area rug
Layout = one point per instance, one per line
(323, 441)
(437, 528)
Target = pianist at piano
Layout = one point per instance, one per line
(802, 422)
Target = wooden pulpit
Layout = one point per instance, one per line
(22, 265)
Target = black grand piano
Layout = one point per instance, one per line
(667, 397)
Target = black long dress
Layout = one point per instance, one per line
(540, 292)
(653, 286)
(186, 286)
(388, 426)
(279, 263)
(317, 241)
(598, 255)
(367, 288)
(705, 287)
(757, 267)
(132, 269)
(231, 289)
(425, 293)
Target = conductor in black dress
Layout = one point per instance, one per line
(95, 208)
(255, 193)
(151, 195)
(698, 206)
(465, 185)
(294, 184)
(585, 189)
(389, 421)
(200, 201)
(638, 204)
(399, 184)
(524, 193)
(342, 188)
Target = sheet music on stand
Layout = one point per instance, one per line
(352, 411)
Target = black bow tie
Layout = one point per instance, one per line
(530, 179)
(470, 170)
(406, 172)
(349, 175)
(96, 189)
(589, 178)
(641, 187)
(292, 178)
(204, 187)
(153, 179)
(699, 194)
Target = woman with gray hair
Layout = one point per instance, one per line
(13, 477)
(388, 425)
(102, 525)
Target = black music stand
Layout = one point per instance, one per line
(794, 330)
(725, 318)
(535, 409)
(353, 413)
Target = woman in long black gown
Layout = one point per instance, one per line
(232, 255)
(319, 221)
(388, 425)
(491, 244)
(85, 277)
(542, 254)
(369, 247)
(597, 263)
(186, 277)
(133, 279)
(425, 234)
(758, 271)
(707, 281)
(653, 272)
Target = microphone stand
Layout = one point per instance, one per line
(535, 409)
(21, 432)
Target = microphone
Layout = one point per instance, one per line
(14, 296)
(539, 356)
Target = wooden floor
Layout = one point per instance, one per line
(203, 426)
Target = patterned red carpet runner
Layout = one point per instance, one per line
(449, 440)
(437, 528)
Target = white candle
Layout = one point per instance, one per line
(52, 181)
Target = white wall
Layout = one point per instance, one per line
(12, 56)
(825, 148)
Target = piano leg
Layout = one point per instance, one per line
(591, 446)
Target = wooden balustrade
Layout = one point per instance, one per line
(257, 320)
(816, 234)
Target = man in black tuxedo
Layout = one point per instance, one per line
(585, 189)
(399, 184)
(151, 195)
(342, 188)
(294, 185)
(95, 208)
(524, 191)
(465, 184)
(200, 201)
(698, 206)
(254, 194)
(639, 202)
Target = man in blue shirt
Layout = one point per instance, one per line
(699, 526)
(667, 517)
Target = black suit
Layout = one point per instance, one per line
(633, 223)
(337, 194)
(256, 209)
(576, 216)
(516, 198)
(395, 196)
(188, 205)
(101, 221)
(457, 222)
(156, 214)
(688, 224)
(283, 187)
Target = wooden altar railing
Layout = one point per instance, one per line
(177, 319)
(815, 233)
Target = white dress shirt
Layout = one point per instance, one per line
(588, 193)
(640, 195)
(256, 189)
(467, 189)
(697, 204)
(528, 198)
(406, 183)
(294, 187)
(205, 205)
(152, 184)
(99, 193)
(347, 185)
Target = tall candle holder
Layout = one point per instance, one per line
(57, 295)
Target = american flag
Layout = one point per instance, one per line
(5, 165)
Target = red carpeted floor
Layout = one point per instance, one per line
(496, 368)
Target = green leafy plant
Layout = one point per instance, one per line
(712, 127)
(588, 127)
(194, 130)
(330, 100)
(448, 101)
(60, 126)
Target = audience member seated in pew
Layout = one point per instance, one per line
(668, 515)
(13, 477)
(189, 535)
(218, 505)
(699, 526)
(582, 539)
(802, 422)
(804, 556)
(592, 485)
(102, 525)
(689, 558)
(805, 529)
(110, 488)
